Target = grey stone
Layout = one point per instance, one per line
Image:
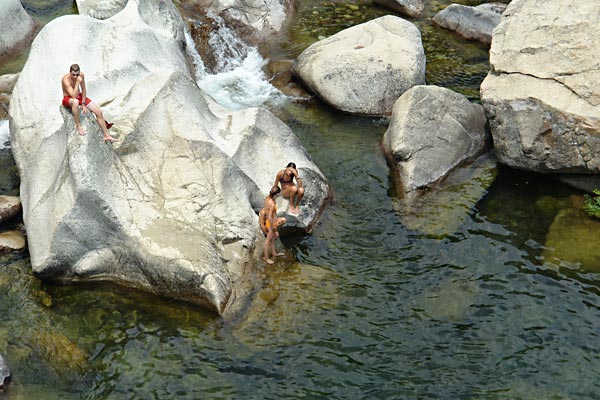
(16, 26)
(471, 22)
(4, 373)
(412, 8)
(9, 207)
(365, 68)
(432, 131)
(542, 95)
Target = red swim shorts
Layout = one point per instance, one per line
(66, 99)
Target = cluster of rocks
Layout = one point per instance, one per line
(172, 207)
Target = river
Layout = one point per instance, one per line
(486, 291)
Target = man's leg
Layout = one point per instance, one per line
(100, 120)
(74, 103)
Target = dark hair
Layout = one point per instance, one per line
(274, 191)
(74, 68)
(293, 165)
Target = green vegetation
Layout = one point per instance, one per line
(592, 204)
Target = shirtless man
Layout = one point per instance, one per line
(269, 223)
(295, 192)
(73, 87)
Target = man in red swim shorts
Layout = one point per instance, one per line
(73, 86)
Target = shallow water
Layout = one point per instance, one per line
(382, 301)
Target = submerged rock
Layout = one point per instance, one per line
(365, 68)
(471, 22)
(542, 96)
(4, 373)
(16, 26)
(171, 208)
(432, 131)
(572, 241)
(412, 8)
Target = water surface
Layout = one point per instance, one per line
(382, 301)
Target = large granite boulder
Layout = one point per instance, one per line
(471, 22)
(412, 8)
(432, 131)
(171, 208)
(257, 19)
(542, 96)
(365, 68)
(16, 26)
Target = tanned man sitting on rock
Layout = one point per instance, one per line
(74, 91)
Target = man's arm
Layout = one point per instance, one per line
(67, 88)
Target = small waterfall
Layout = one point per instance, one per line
(4, 134)
(238, 81)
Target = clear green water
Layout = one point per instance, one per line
(368, 307)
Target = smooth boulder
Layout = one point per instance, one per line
(12, 241)
(476, 23)
(542, 96)
(100, 9)
(172, 207)
(4, 373)
(16, 26)
(412, 8)
(432, 131)
(365, 68)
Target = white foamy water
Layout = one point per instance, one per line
(4, 134)
(239, 81)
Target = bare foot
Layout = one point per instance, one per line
(81, 131)
(294, 210)
(268, 261)
(110, 139)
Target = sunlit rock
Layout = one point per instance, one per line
(365, 68)
(432, 131)
(572, 240)
(471, 22)
(4, 373)
(16, 26)
(542, 96)
(412, 8)
(9, 207)
(101, 9)
(172, 207)
(258, 19)
(7, 82)
(11, 241)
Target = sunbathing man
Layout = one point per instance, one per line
(289, 189)
(74, 91)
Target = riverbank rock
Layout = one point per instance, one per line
(12, 241)
(412, 8)
(542, 96)
(9, 207)
(471, 22)
(16, 27)
(100, 9)
(4, 373)
(365, 68)
(256, 19)
(172, 207)
(432, 131)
